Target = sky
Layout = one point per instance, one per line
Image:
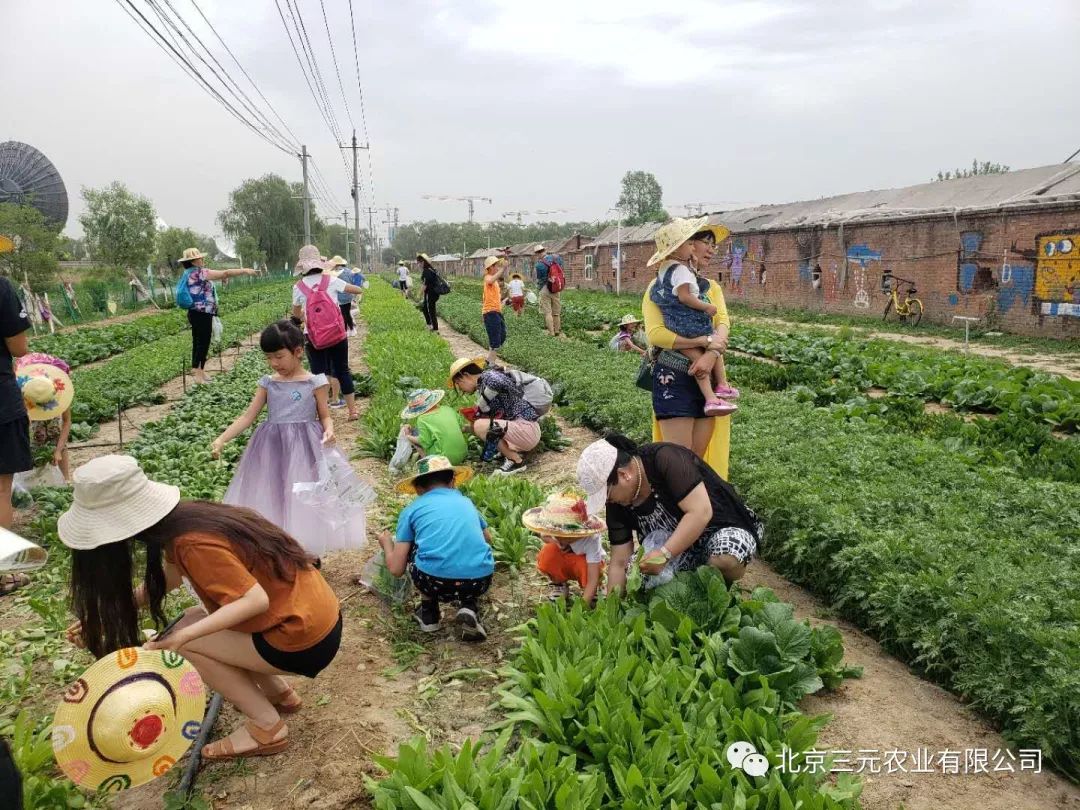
(545, 105)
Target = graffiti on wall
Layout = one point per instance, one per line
(1015, 286)
(1057, 274)
(862, 256)
(732, 261)
(973, 273)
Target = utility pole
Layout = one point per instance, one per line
(356, 195)
(371, 237)
(345, 215)
(307, 198)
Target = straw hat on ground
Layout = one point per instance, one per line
(675, 233)
(128, 719)
(18, 554)
(433, 464)
(191, 254)
(113, 501)
(421, 402)
(629, 320)
(462, 362)
(47, 390)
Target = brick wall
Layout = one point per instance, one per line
(1021, 270)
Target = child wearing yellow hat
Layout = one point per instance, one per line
(48, 393)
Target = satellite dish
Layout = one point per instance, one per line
(27, 177)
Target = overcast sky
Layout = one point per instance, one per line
(544, 105)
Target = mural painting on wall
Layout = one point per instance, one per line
(733, 263)
(1057, 274)
(862, 256)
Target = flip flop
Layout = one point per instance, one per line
(9, 583)
(222, 750)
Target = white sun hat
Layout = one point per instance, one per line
(17, 554)
(593, 470)
(113, 501)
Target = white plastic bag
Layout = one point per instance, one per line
(216, 329)
(341, 499)
(531, 298)
(653, 541)
(402, 452)
(377, 579)
(47, 476)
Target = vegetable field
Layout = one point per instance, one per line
(959, 561)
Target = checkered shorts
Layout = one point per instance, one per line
(730, 540)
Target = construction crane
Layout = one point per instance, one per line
(470, 200)
(520, 214)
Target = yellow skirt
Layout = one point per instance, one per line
(717, 454)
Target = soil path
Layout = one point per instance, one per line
(888, 709)
(1067, 363)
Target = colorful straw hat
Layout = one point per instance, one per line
(113, 501)
(18, 554)
(422, 401)
(628, 319)
(191, 254)
(462, 362)
(433, 464)
(47, 390)
(562, 515)
(128, 719)
(41, 357)
(675, 233)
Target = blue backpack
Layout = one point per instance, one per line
(183, 294)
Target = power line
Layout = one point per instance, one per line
(363, 114)
(333, 55)
(1070, 157)
(313, 63)
(173, 53)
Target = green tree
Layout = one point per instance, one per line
(120, 226)
(332, 241)
(34, 256)
(977, 168)
(270, 210)
(70, 249)
(172, 242)
(248, 248)
(641, 199)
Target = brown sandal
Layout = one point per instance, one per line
(286, 702)
(221, 750)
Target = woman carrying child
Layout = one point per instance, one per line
(505, 420)
(680, 294)
(443, 541)
(290, 447)
(267, 613)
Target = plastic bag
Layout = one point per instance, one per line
(47, 476)
(530, 296)
(402, 452)
(377, 579)
(216, 330)
(340, 497)
(653, 541)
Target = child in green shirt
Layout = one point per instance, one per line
(438, 427)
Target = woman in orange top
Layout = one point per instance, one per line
(266, 611)
(494, 268)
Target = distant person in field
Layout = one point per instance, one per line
(550, 280)
(516, 288)
(15, 452)
(403, 278)
(429, 291)
(491, 306)
(626, 339)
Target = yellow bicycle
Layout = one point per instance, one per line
(910, 309)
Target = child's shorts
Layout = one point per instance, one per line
(562, 565)
(449, 590)
(496, 329)
(518, 303)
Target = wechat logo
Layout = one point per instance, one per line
(743, 755)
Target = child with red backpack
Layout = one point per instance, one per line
(315, 306)
(551, 280)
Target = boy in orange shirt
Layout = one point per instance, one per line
(492, 306)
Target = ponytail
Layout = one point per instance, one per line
(626, 451)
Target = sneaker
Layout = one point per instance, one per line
(509, 467)
(338, 404)
(719, 407)
(427, 616)
(726, 392)
(559, 591)
(471, 629)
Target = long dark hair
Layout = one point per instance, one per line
(101, 578)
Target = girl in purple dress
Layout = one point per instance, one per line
(294, 446)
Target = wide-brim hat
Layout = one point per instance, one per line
(675, 233)
(491, 261)
(629, 319)
(420, 256)
(433, 464)
(462, 362)
(309, 258)
(539, 249)
(19, 554)
(113, 501)
(421, 402)
(46, 389)
(128, 719)
(191, 254)
(532, 519)
(719, 232)
(337, 261)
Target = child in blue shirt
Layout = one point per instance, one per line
(443, 541)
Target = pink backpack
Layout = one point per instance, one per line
(325, 324)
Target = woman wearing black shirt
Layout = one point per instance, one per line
(665, 488)
(429, 291)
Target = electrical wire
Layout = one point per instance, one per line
(163, 42)
(337, 70)
(313, 63)
(363, 112)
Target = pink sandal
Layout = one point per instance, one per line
(726, 392)
(719, 407)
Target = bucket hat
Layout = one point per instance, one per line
(309, 259)
(422, 401)
(113, 500)
(191, 254)
(675, 233)
(433, 464)
(47, 390)
(460, 363)
(128, 719)
(18, 554)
